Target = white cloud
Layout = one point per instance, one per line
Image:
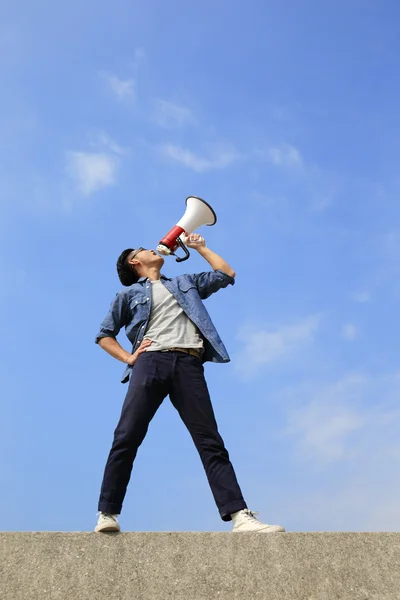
(322, 424)
(221, 159)
(361, 297)
(346, 433)
(139, 55)
(349, 332)
(263, 346)
(91, 171)
(106, 141)
(168, 114)
(284, 155)
(339, 450)
(122, 88)
(323, 419)
(321, 203)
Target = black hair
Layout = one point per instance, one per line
(126, 271)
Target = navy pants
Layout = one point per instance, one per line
(154, 376)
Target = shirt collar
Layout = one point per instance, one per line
(142, 279)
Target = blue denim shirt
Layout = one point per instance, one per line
(131, 309)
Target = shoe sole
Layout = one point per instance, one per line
(107, 529)
(269, 530)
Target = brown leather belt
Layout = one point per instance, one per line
(197, 352)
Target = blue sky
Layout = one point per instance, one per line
(284, 117)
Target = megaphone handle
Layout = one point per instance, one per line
(186, 251)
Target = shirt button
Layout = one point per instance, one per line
(147, 299)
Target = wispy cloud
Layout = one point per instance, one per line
(323, 418)
(321, 203)
(321, 425)
(167, 114)
(316, 188)
(346, 432)
(104, 140)
(139, 56)
(260, 347)
(123, 89)
(383, 251)
(284, 155)
(349, 332)
(220, 159)
(91, 171)
(361, 297)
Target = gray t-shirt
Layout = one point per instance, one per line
(169, 326)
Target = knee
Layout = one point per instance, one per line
(128, 439)
(214, 450)
(121, 441)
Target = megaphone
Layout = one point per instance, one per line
(197, 213)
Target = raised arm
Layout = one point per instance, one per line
(198, 243)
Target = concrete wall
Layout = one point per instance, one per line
(199, 566)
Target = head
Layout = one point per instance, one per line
(133, 264)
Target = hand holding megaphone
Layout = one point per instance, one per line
(198, 213)
(192, 240)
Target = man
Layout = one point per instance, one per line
(172, 336)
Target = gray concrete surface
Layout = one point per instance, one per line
(199, 566)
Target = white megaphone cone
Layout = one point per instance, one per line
(197, 213)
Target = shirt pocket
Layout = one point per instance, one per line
(187, 286)
(139, 309)
(190, 298)
(138, 303)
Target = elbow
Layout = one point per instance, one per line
(228, 271)
(103, 341)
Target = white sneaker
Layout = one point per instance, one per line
(107, 522)
(246, 520)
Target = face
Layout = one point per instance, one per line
(147, 259)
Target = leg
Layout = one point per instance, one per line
(145, 394)
(190, 396)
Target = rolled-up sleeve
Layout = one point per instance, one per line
(116, 318)
(210, 282)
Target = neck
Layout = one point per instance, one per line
(152, 273)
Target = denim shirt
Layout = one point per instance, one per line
(131, 309)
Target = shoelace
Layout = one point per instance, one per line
(105, 515)
(251, 515)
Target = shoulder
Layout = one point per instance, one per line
(127, 293)
(179, 279)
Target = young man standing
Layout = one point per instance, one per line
(172, 336)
